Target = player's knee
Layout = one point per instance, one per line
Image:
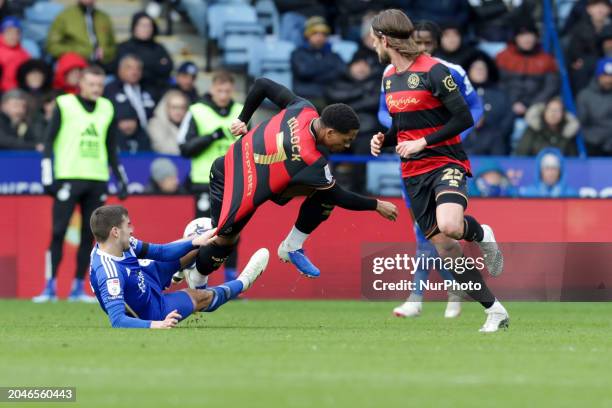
(451, 228)
(446, 246)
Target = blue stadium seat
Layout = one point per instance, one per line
(238, 39)
(196, 11)
(346, 49)
(43, 12)
(31, 47)
(268, 16)
(36, 32)
(221, 14)
(271, 54)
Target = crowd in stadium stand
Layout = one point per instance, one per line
(497, 42)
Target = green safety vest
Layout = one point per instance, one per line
(207, 121)
(80, 144)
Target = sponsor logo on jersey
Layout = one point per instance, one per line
(449, 83)
(113, 286)
(401, 103)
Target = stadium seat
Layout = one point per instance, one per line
(346, 49)
(275, 54)
(36, 32)
(196, 11)
(268, 16)
(221, 14)
(43, 12)
(238, 39)
(31, 47)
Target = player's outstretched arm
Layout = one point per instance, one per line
(265, 88)
(348, 200)
(172, 251)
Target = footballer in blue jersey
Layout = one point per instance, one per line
(129, 276)
(427, 37)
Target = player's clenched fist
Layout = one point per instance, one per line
(238, 127)
(169, 322)
(387, 210)
(376, 143)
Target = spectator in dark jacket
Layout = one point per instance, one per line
(584, 48)
(528, 74)
(491, 135)
(595, 110)
(41, 117)
(127, 89)
(185, 80)
(131, 137)
(35, 78)
(453, 48)
(549, 125)
(314, 65)
(13, 126)
(157, 63)
(359, 88)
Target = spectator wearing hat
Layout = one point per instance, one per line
(491, 134)
(157, 63)
(453, 47)
(14, 132)
(583, 49)
(490, 180)
(549, 125)
(164, 178)
(166, 121)
(41, 115)
(595, 110)
(85, 30)
(131, 137)
(68, 73)
(528, 74)
(314, 65)
(185, 80)
(550, 177)
(12, 54)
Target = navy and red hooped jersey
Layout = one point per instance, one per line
(415, 101)
(275, 155)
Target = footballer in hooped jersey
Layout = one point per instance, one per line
(128, 276)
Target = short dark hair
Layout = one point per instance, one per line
(340, 117)
(223, 77)
(104, 219)
(93, 70)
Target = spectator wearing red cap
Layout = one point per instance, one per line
(12, 55)
(68, 73)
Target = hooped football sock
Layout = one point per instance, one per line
(224, 293)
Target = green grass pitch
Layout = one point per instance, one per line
(314, 354)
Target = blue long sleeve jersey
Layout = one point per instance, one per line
(465, 87)
(131, 283)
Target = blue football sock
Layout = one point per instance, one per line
(230, 274)
(50, 288)
(223, 293)
(77, 285)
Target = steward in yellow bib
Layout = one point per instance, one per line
(204, 136)
(80, 145)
